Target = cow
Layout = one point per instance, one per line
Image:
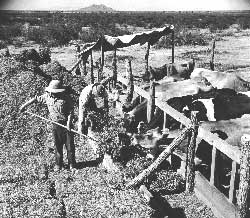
(178, 95)
(221, 80)
(175, 70)
(225, 104)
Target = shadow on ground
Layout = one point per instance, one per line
(163, 208)
(90, 163)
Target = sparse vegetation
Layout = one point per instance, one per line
(59, 28)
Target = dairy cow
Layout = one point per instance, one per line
(225, 104)
(221, 80)
(175, 70)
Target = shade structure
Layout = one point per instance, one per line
(109, 43)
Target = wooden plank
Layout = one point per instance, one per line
(214, 151)
(164, 119)
(231, 151)
(174, 113)
(213, 198)
(232, 182)
(151, 102)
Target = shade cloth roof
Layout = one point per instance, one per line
(109, 43)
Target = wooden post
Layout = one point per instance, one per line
(84, 71)
(212, 55)
(99, 74)
(102, 54)
(213, 165)
(151, 102)
(78, 71)
(243, 196)
(146, 58)
(130, 86)
(164, 120)
(114, 64)
(190, 172)
(92, 78)
(172, 46)
(232, 182)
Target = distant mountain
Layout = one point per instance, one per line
(97, 8)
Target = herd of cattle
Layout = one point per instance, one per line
(220, 98)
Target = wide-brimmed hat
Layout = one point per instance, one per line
(100, 90)
(55, 86)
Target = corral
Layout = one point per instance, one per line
(224, 203)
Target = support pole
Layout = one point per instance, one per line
(102, 54)
(92, 78)
(130, 86)
(151, 102)
(190, 172)
(84, 71)
(114, 64)
(212, 55)
(99, 74)
(172, 36)
(243, 196)
(146, 59)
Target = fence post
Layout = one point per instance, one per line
(151, 102)
(114, 64)
(243, 196)
(212, 55)
(130, 86)
(172, 46)
(84, 71)
(190, 171)
(92, 78)
(99, 74)
(146, 58)
(102, 54)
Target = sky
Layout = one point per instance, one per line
(128, 5)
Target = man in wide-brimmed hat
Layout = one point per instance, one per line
(87, 103)
(60, 106)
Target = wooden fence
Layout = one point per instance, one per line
(222, 206)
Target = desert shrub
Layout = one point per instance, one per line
(185, 37)
(8, 32)
(45, 55)
(36, 35)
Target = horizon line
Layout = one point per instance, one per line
(82, 10)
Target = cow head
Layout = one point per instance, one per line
(205, 108)
(151, 140)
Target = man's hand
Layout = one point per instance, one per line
(68, 128)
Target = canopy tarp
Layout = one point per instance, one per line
(109, 43)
